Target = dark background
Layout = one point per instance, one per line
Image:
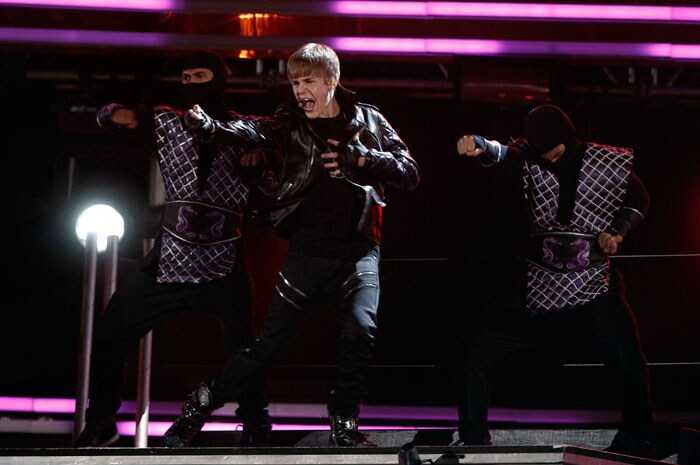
(447, 248)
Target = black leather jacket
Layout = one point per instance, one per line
(368, 134)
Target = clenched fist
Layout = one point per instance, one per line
(466, 145)
(197, 121)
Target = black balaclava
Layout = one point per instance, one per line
(547, 126)
(208, 95)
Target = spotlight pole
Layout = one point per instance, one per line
(86, 324)
(143, 392)
(87, 317)
(111, 260)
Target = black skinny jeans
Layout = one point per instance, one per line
(351, 286)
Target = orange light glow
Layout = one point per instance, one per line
(254, 24)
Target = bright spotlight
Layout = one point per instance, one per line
(102, 219)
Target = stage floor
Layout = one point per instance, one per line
(39, 432)
(425, 446)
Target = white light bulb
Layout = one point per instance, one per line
(101, 219)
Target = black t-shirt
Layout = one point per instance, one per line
(327, 217)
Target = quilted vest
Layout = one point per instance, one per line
(599, 194)
(183, 261)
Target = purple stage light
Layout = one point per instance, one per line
(515, 47)
(378, 44)
(525, 11)
(158, 428)
(428, 9)
(372, 45)
(131, 5)
(379, 8)
(88, 37)
(376, 413)
(685, 52)
(17, 404)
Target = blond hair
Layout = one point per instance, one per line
(314, 58)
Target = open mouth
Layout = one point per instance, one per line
(306, 104)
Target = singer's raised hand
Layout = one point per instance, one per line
(351, 154)
(330, 159)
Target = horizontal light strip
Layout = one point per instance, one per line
(384, 413)
(537, 11)
(87, 37)
(133, 5)
(277, 410)
(516, 47)
(365, 8)
(370, 45)
(158, 428)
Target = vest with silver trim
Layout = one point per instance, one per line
(566, 267)
(200, 226)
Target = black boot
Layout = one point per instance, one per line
(635, 444)
(98, 433)
(194, 413)
(344, 433)
(255, 433)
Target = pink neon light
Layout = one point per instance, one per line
(67, 406)
(543, 11)
(374, 412)
(17, 404)
(376, 45)
(137, 5)
(465, 47)
(158, 428)
(54, 405)
(87, 37)
(379, 8)
(551, 11)
(685, 52)
(682, 13)
(505, 47)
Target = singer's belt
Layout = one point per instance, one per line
(199, 223)
(566, 251)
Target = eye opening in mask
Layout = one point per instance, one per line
(196, 75)
(554, 154)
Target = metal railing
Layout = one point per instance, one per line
(86, 334)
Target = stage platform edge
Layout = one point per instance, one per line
(511, 447)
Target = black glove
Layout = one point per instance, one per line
(348, 154)
(202, 127)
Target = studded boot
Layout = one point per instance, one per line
(256, 433)
(195, 412)
(344, 433)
